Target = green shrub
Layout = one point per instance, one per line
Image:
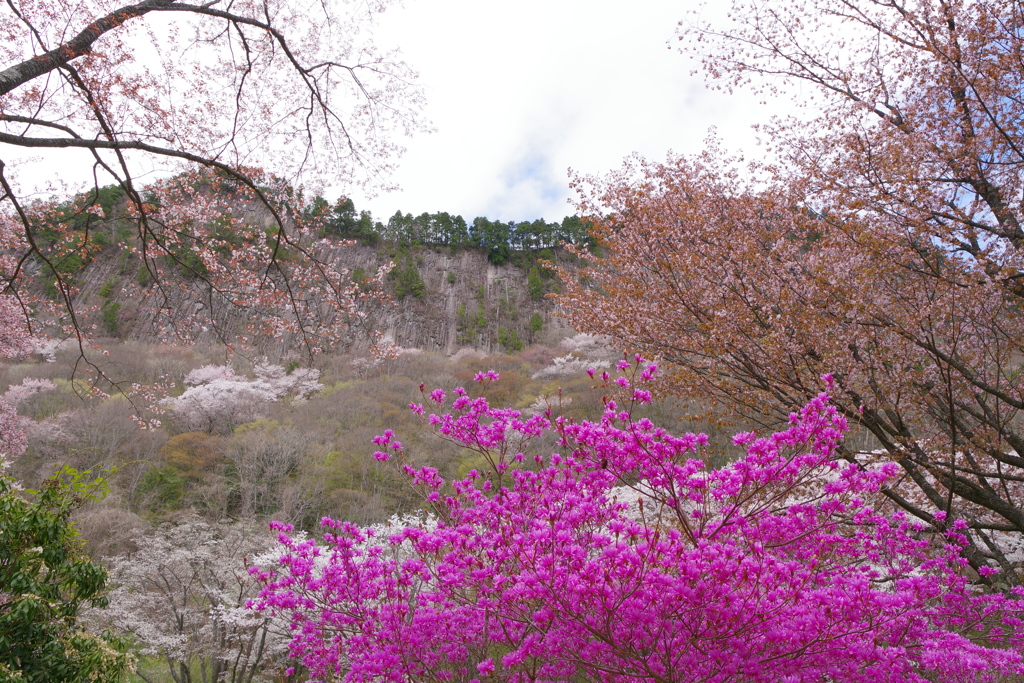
(509, 340)
(46, 580)
(110, 318)
(190, 264)
(143, 278)
(162, 489)
(124, 263)
(107, 290)
(408, 281)
(534, 284)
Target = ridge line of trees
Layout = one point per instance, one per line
(498, 238)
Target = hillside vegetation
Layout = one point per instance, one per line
(252, 453)
(434, 282)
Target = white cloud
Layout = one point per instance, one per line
(520, 92)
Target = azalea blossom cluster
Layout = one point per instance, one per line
(623, 556)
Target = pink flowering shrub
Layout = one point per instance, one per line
(13, 441)
(14, 342)
(623, 557)
(17, 394)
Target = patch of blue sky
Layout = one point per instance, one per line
(531, 188)
(521, 93)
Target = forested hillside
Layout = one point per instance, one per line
(432, 282)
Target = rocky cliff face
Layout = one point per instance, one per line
(458, 288)
(437, 301)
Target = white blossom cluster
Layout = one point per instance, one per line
(585, 352)
(182, 595)
(564, 366)
(217, 399)
(598, 345)
(545, 403)
(30, 386)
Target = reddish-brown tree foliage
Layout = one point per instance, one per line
(883, 245)
(170, 86)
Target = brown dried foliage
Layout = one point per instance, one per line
(883, 245)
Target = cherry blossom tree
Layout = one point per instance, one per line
(30, 386)
(217, 400)
(14, 342)
(623, 557)
(165, 85)
(881, 244)
(182, 595)
(255, 277)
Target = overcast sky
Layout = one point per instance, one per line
(521, 92)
